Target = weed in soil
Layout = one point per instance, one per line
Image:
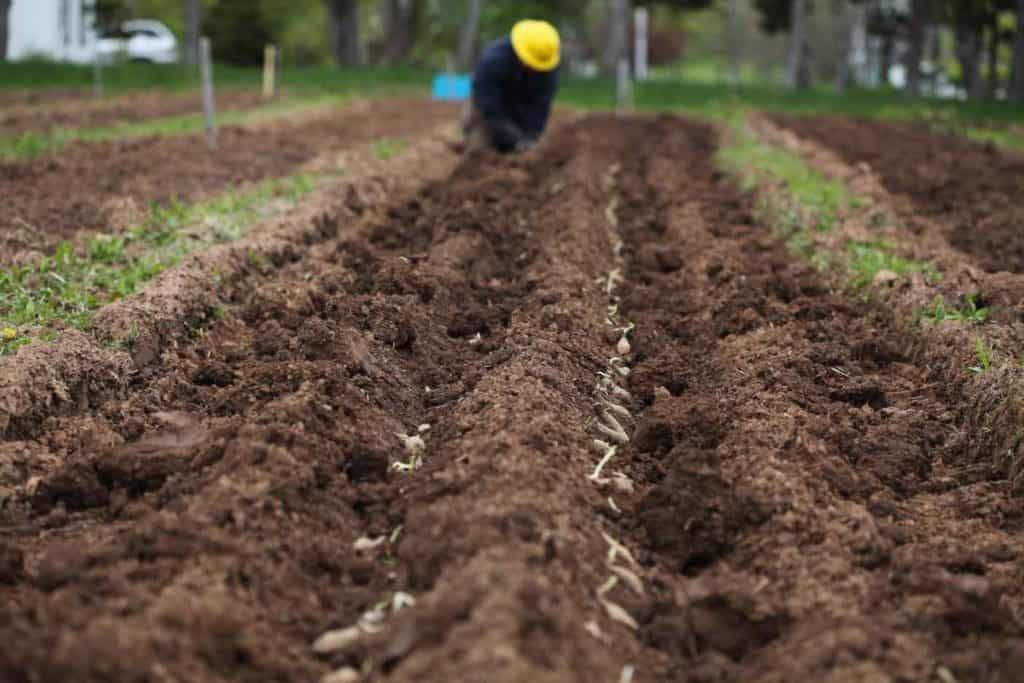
(940, 312)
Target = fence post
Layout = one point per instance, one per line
(209, 104)
(623, 87)
(641, 28)
(97, 75)
(269, 72)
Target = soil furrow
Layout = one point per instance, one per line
(108, 186)
(970, 189)
(38, 117)
(221, 516)
(383, 446)
(804, 507)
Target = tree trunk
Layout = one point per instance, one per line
(968, 52)
(885, 64)
(797, 71)
(1017, 87)
(343, 20)
(470, 36)
(193, 27)
(618, 35)
(401, 21)
(993, 57)
(915, 51)
(733, 42)
(844, 24)
(5, 8)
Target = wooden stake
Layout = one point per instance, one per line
(269, 72)
(209, 104)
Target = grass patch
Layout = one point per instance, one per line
(868, 259)
(1000, 138)
(983, 352)
(65, 289)
(386, 149)
(128, 77)
(688, 88)
(939, 312)
(806, 205)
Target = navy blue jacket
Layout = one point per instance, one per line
(514, 99)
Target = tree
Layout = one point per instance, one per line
(845, 17)
(343, 21)
(470, 36)
(5, 9)
(193, 24)
(919, 20)
(401, 21)
(239, 31)
(1017, 85)
(797, 67)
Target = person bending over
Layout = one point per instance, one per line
(514, 86)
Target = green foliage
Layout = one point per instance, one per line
(938, 312)
(983, 352)
(65, 289)
(868, 259)
(799, 203)
(757, 163)
(239, 31)
(386, 149)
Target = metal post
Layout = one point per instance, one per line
(623, 87)
(641, 42)
(209, 104)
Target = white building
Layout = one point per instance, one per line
(62, 30)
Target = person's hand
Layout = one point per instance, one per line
(524, 145)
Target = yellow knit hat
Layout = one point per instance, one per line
(536, 44)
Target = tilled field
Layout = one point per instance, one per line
(103, 187)
(972, 188)
(25, 114)
(569, 416)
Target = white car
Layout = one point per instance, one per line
(139, 40)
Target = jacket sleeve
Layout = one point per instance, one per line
(538, 109)
(488, 93)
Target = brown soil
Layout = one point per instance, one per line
(46, 115)
(22, 98)
(104, 187)
(971, 188)
(799, 512)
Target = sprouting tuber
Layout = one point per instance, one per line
(414, 444)
(612, 429)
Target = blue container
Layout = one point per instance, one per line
(452, 87)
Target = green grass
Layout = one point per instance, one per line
(939, 312)
(983, 352)
(711, 99)
(65, 289)
(1002, 138)
(307, 81)
(756, 163)
(868, 259)
(694, 90)
(385, 149)
(801, 204)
